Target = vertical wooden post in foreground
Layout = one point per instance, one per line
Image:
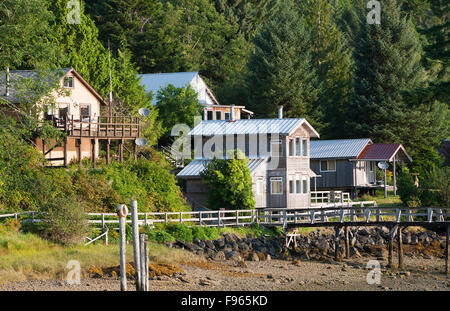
(122, 212)
(108, 150)
(347, 243)
(401, 265)
(144, 262)
(136, 248)
(447, 236)
(337, 230)
(391, 247)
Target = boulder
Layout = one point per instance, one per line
(253, 257)
(220, 255)
(233, 255)
(220, 243)
(209, 244)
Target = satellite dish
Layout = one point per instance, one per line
(383, 165)
(141, 142)
(144, 112)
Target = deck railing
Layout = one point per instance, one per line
(319, 198)
(102, 126)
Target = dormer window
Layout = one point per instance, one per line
(68, 82)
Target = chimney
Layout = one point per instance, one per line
(7, 82)
(232, 113)
(280, 112)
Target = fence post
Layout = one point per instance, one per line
(103, 220)
(143, 245)
(166, 217)
(181, 217)
(237, 218)
(218, 218)
(122, 212)
(136, 250)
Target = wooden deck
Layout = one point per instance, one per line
(111, 127)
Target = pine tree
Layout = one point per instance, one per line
(332, 59)
(281, 70)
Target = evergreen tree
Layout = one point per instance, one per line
(332, 59)
(281, 71)
(24, 35)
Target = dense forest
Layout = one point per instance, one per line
(319, 59)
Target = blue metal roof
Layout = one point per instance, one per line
(338, 148)
(249, 126)
(194, 168)
(156, 81)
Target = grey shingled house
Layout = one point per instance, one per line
(278, 153)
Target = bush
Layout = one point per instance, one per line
(64, 221)
(180, 232)
(159, 236)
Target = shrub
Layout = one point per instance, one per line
(408, 192)
(180, 232)
(64, 221)
(159, 236)
(230, 183)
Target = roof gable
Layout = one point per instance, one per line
(250, 126)
(384, 152)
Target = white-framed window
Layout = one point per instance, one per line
(227, 116)
(276, 185)
(305, 184)
(328, 165)
(218, 115)
(291, 184)
(298, 187)
(85, 111)
(259, 185)
(371, 166)
(297, 146)
(276, 148)
(304, 147)
(68, 82)
(291, 147)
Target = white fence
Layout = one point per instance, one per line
(319, 198)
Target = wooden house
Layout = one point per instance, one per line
(351, 164)
(278, 158)
(212, 110)
(80, 112)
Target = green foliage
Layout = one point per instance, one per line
(281, 70)
(64, 221)
(180, 232)
(230, 184)
(24, 35)
(177, 106)
(408, 192)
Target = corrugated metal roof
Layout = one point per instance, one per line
(248, 126)
(194, 168)
(156, 81)
(384, 152)
(17, 75)
(338, 148)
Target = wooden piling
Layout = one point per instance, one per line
(143, 245)
(401, 264)
(337, 230)
(108, 150)
(122, 211)
(390, 250)
(446, 249)
(347, 242)
(136, 247)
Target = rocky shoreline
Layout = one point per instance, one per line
(319, 244)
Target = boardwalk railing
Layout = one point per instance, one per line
(319, 198)
(350, 214)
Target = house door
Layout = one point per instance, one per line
(260, 198)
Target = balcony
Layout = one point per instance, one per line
(126, 127)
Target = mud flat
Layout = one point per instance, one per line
(421, 274)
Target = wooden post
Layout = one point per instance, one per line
(79, 152)
(144, 262)
(135, 151)
(446, 249)
(347, 243)
(65, 151)
(394, 177)
(337, 231)
(401, 264)
(136, 248)
(385, 183)
(122, 212)
(108, 150)
(392, 232)
(121, 150)
(94, 145)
